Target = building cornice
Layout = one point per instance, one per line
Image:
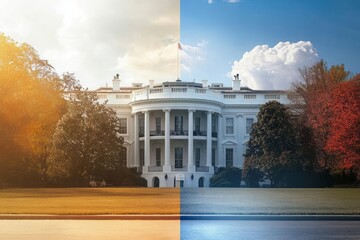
(181, 100)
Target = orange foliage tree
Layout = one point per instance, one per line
(31, 104)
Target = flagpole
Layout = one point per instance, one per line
(178, 62)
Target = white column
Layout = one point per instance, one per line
(191, 167)
(219, 141)
(167, 166)
(147, 140)
(208, 140)
(136, 140)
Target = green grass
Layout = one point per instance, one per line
(90, 201)
(270, 201)
(167, 201)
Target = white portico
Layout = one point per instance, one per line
(178, 133)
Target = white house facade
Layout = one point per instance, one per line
(178, 133)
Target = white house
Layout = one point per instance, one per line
(178, 133)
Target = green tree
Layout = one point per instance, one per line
(271, 146)
(86, 144)
(226, 177)
(250, 174)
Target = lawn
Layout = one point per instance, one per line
(90, 201)
(167, 201)
(271, 201)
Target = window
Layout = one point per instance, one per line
(141, 127)
(178, 157)
(123, 125)
(123, 157)
(229, 126)
(272, 96)
(214, 127)
(141, 157)
(122, 96)
(250, 96)
(179, 124)
(229, 96)
(158, 156)
(229, 157)
(158, 125)
(213, 156)
(197, 124)
(249, 123)
(197, 157)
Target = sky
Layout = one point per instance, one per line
(96, 39)
(265, 41)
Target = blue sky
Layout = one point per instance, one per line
(222, 31)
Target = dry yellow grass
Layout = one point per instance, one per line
(90, 201)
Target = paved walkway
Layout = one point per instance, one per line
(184, 217)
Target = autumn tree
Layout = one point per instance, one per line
(87, 143)
(271, 145)
(310, 97)
(30, 106)
(344, 131)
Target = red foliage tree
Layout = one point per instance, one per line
(310, 99)
(344, 131)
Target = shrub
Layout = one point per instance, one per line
(226, 177)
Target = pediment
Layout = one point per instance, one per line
(229, 142)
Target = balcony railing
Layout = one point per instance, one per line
(178, 133)
(176, 92)
(199, 133)
(155, 169)
(157, 133)
(180, 169)
(202, 169)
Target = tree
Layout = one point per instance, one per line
(271, 145)
(86, 144)
(344, 130)
(250, 174)
(30, 106)
(310, 97)
(226, 177)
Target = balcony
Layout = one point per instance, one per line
(202, 169)
(199, 133)
(179, 132)
(179, 169)
(176, 93)
(155, 169)
(157, 133)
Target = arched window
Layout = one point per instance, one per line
(156, 182)
(201, 182)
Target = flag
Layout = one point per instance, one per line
(179, 46)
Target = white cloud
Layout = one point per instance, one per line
(210, 1)
(231, 1)
(192, 55)
(274, 68)
(96, 39)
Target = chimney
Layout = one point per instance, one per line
(151, 83)
(204, 83)
(236, 83)
(116, 82)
